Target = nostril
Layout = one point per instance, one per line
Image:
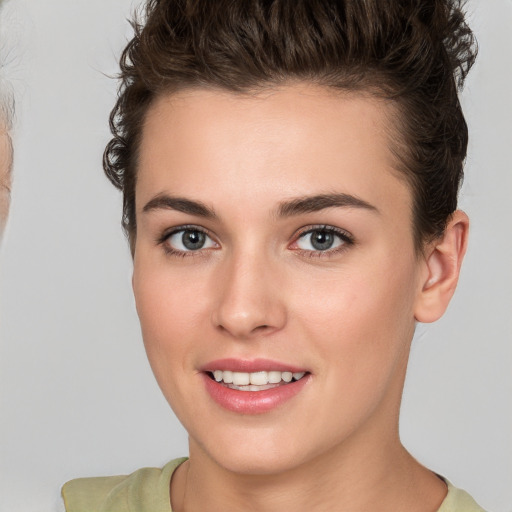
(245, 330)
(261, 329)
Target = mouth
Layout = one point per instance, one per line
(255, 381)
(253, 387)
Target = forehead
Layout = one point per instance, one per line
(279, 142)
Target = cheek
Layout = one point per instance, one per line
(361, 318)
(169, 299)
(169, 308)
(360, 325)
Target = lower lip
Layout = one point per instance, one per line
(253, 402)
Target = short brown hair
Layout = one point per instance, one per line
(416, 53)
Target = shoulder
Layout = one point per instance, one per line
(146, 489)
(458, 500)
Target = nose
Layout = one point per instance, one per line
(249, 299)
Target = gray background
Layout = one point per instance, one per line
(77, 397)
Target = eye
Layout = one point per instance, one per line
(322, 239)
(188, 240)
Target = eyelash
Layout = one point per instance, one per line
(346, 238)
(181, 254)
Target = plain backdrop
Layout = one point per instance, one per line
(77, 397)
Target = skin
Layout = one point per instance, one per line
(258, 290)
(5, 178)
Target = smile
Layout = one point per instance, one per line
(255, 381)
(253, 387)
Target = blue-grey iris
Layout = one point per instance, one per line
(193, 240)
(322, 240)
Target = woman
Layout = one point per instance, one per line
(290, 174)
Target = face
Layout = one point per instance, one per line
(275, 242)
(5, 179)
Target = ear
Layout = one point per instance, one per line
(442, 263)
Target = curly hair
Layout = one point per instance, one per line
(415, 53)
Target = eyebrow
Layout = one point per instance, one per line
(309, 204)
(297, 206)
(180, 204)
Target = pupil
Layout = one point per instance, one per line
(322, 240)
(193, 240)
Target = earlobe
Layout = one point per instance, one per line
(442, 267)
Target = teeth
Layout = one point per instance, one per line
(287, 376)
(241, 379)
(274, 377)
(250, 380)
(258, 378)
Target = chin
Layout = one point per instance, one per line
(256, 451)
(262, 463)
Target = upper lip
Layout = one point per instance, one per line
(250, 366)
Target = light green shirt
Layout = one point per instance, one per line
(147, 490)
